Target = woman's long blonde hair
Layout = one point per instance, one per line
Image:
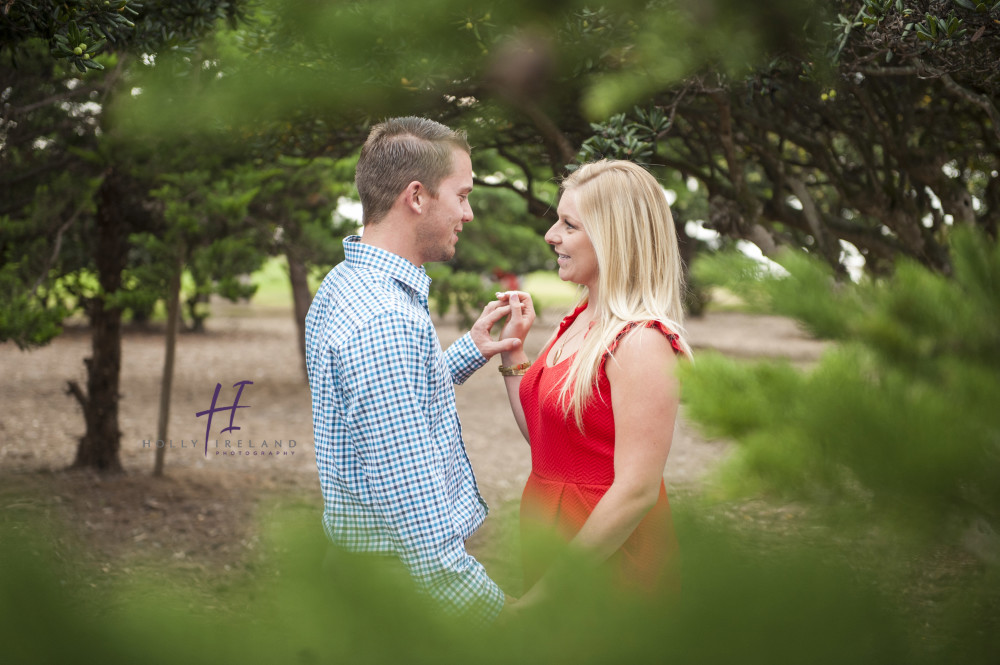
(624, 212)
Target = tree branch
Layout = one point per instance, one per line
(58, 245)
(982, 101)
(920, 70)
(519, 163)
(73, 388)
(536, 206)
(70, 94)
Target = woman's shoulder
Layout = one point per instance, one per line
(643, 357)
(644, 336)
(642, 347)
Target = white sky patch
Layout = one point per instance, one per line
(696, 229)
(850, 257)
(86, 108)
(350, 209)
(692, 185)
(852, 260)
(135, 92)
(935, 201)
(671, 196)
(753, 251)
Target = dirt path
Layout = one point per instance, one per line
(203, 507)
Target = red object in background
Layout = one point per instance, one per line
(508, 280)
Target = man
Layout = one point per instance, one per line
(395, 476)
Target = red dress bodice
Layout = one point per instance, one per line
(572, 469)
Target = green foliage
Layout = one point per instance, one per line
(397, 57)
(620, 138)
(978, 5)
(76, 31)
(302, 604)
(734, 271)
(793, 297)
(297, 206)
(920, 21)
(899, 418)
(500, 238)
(22, 319)
(942, 31)
(32, 304)
(207, 233)
(465, 292)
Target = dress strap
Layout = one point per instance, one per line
(674, 338)
(569, 319)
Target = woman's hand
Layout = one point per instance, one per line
(521, 317)
(494, 311)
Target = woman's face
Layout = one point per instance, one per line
(568, 237)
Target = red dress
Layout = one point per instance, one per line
(571, 470)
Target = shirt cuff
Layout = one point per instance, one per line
(463, 359)
(491, 607)
(472, 595)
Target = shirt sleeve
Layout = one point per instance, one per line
(388, 392)
(463, 359)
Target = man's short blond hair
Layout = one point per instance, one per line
(399, 151)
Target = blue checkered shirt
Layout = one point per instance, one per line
(395, 476)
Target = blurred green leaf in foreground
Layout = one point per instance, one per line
(896, 429)
(790, 608)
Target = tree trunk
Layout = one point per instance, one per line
(301, 297)
(100, 444)
(167, 380)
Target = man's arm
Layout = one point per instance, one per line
(387, 390)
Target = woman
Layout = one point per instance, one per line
(598, 405)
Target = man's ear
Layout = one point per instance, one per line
(415, 197)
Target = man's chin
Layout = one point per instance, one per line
(445, 255)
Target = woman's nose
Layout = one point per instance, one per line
(551, 236)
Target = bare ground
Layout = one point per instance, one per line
(200, 517)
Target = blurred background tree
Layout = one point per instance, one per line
(824, 127)
(68, 247)
(881, 131)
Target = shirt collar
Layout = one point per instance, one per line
(360, 255)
